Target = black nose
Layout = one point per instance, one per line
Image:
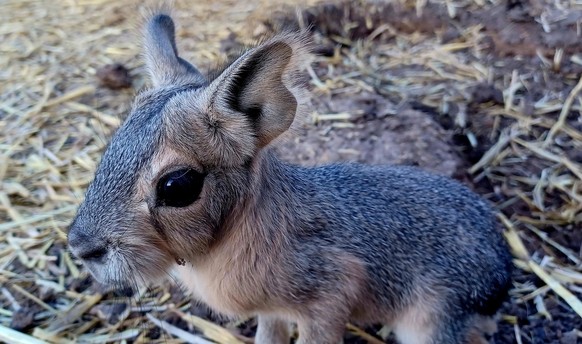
(85, 246)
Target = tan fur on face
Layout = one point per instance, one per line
(197, 131)
(164, 160)
(138, 255)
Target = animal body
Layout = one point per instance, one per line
(189, 187)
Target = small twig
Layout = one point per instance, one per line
(517, 334)
(73, 314)
(10, 336)
(178, 332)
(36, 218)
(512, 237)
(564, 113)
(501, 143)
(558, 288)
(209, 329)
(76, 93)
(361, 333)
(33, 298)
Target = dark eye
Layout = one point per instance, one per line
(179, 188)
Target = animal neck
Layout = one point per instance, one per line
(272, 208)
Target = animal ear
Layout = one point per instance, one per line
(263, 86)
(161, 56)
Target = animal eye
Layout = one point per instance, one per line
(179, 188)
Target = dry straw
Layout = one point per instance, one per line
(55, 120)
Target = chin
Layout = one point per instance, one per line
(115, 275)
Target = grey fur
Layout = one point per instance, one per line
(316, 246)
(166, 67)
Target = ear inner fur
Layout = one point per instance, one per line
(263, 86)
(256, 89)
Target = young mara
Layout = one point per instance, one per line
(189, 187)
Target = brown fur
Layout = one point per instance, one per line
(317, 247)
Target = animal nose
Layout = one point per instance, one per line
(86, 247)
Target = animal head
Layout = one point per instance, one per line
(183, 158)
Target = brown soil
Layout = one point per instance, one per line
(376, 132)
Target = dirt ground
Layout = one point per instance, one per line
(484, 92)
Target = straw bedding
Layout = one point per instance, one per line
(497, 84)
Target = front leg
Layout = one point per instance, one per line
(320, 331)
(272, 330)
(341, 282)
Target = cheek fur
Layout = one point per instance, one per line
(212, 140)
(143, 252)
(188, 231)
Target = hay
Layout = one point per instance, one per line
(55, 120)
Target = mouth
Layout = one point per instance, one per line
(120, 272)
(108, 271)
(99, 273)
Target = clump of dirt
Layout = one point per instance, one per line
(23, 319)
(114, 76)
(349, 21)
(514, 28)
(372, 131)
